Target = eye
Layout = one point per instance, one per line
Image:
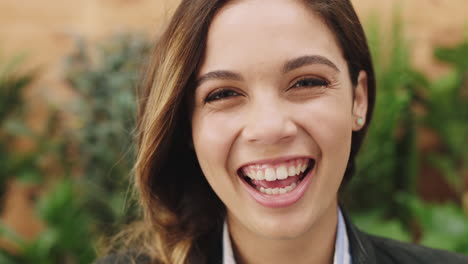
(221, 94)
(310, 82)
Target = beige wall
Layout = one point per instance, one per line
(46, 31)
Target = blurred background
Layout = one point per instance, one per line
(68, 70)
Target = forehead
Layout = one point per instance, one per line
(265, 32)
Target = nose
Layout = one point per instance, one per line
(269, 122)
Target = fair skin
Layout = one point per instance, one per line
(274, 89)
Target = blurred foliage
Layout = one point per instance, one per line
(67, 237)
(443, 226)
(12, 83)
(25, 165)
(387, 159)
(90, 199)
(96, 153)
(105, 106)
(28, 165)
(383, 195)
(447, 101)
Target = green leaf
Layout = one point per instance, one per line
(373, 223)
(447, 166)
(10, 234)
(6, 259)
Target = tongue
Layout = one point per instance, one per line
(276, 184)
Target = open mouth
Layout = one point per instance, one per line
(279, 178)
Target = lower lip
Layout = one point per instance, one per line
(280, 200)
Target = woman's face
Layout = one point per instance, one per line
(273, 116)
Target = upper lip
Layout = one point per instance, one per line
(274, 161)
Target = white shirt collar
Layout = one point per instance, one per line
(341, 256)
(228, 255)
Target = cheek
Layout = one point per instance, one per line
(213, 135)
(329, 122)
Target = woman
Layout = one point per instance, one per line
(250, 120)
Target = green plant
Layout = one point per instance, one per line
(105, 106)
(13, 163)
(374, 222)
(447, 101)
(90, 199)
(443, 226)
(389, 158)
(24, 165)
(383, 196)
(67, 237)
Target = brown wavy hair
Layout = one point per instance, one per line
(180, 210)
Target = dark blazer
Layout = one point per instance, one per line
(365, 249)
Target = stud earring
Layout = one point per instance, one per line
(360, 121)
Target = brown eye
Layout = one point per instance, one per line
(221, 94)
(310, 82)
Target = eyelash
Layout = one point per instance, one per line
(310, 82)
(221, 94)
(225, 93)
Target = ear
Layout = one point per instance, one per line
(360, 102)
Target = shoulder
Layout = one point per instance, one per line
(370, 249)
(392, 251)
(124, 258)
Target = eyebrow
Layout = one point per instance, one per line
(219, 75)
(288, 66)
(308, 60)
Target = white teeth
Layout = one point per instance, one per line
(281, 173)
(303, 168)
(298, 169)
(260, 175)
(276, 191)
(258, 172)
(270, 174)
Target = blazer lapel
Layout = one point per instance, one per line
(362, 250)
(209, 248)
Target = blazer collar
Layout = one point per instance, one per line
(362, 250)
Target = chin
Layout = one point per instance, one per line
(289, 226)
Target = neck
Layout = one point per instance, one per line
(316, 245)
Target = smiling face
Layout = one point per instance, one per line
(273, 116)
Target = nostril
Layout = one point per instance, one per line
(270, 132)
